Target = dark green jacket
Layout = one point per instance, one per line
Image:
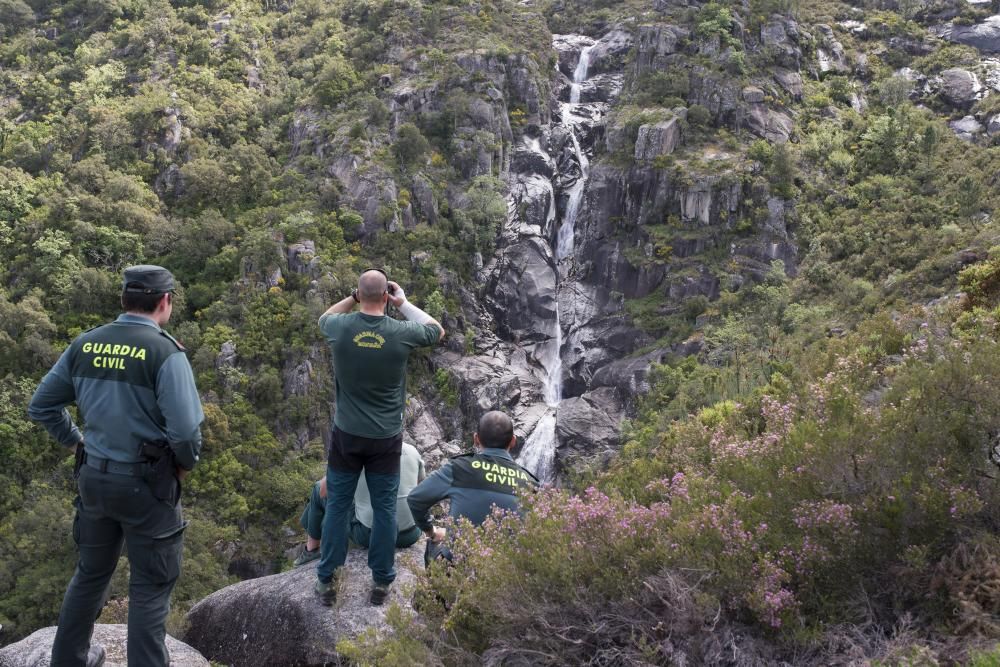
(132, 383)
(474, 483)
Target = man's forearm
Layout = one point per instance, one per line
(47, 407)
(414, 314)
(342, 307)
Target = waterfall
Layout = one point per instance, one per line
(579, 75)
(538, 454)
(539, 451)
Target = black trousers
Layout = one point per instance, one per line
(112, 509)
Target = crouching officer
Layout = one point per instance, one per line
(473, 482)
(135, 391)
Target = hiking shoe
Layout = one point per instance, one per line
(305, 557)
(95, 656)
(379, 593)
(327, 592)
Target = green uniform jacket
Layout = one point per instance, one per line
(132, 383)
(474, 483)
(369, 363)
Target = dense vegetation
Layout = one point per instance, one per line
(821, 464)
(170, 133)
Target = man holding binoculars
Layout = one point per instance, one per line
(370, 351)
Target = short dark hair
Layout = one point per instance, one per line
(140, 302)
(495, 430)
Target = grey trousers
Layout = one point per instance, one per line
(112, 509)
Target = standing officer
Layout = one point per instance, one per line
(136, 394)
(474, 482)
(369, 358)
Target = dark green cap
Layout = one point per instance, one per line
(148, 279)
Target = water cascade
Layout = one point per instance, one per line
(538, 454)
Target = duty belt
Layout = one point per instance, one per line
(107, 465)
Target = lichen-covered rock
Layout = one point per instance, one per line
(35, 650)
(278, 620)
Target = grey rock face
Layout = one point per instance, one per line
(593, 418)
(278, 620)
(920, 85)
(174, 131)
(367, 190)
(303, 128)
(227, 355)
(720, 94)
(654, 45)
(424, 432)
(35, 650)
(769, 124)
(781, 36)
(608, 53)
(967, 128)
(423, 197)
(790, 81)
(984, 36)
(630, 376)
(525, 289)
(300, 256)
(830, 56)
(959, 87)
(993, 125)
(657, 140)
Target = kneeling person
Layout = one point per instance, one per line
(411, 473)
(473, 482)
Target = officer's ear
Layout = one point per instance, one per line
(475, 440)
(513, 443)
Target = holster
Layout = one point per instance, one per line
(161, 471)
(78, 460)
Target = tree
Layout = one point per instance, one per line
(411, 146)
(782, 172)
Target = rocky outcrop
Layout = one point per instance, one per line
(780, 36)
(984, 36)
(524, 289)
(959, 87)
(790, 81)
(766, 123)
(716, 92)
(830, 55)
(967, 128)
(592, 420)
(608, 53)
(657, 140)
(301, 257)
(654, 46)
(278, 620)
(35, 650)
